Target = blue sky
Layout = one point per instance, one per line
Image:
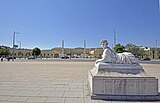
(45, 23)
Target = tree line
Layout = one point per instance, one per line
(5, 52)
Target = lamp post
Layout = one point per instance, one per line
(84, 51)
(62, 52)
(156, 52)
(14, 46)
(19, 44)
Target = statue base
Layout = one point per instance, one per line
(126, 97)
(122, 82)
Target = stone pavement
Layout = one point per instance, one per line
(51, 82)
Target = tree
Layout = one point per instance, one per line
(119, 48)
(4, 52)
(36, 52)
(28, 54)
(20, 54)
(135, 50)
(132, 48)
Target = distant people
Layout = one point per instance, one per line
(1, 58)
(8, 59)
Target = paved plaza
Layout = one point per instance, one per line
(51, 82)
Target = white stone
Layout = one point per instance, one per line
(120, 68)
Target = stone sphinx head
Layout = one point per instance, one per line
(104, 44)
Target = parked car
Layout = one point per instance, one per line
(65, 57)
(146, 59)
(10, 57)
(31, 58)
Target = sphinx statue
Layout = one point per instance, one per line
(109, 56)
(119, 76)
(117, 62)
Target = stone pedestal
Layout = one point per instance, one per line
(122, 82)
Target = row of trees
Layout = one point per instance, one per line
(5, 52)
(136, 50)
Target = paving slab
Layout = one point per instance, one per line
(47, 93)
(4, 98)
(27, 93)
(73, 94)
(55, 100)
(74, 100)
(37, 99)
(18, 99)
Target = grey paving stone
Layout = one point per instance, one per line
(93, 101)
(19, 88)
(58, 85)
(48, 89)
(88, 99)
(37, 99)
(102, 101)
(71, 86)
(18, 99)
(8, 87)
(55, 100)
(51, 94)
(80, 86)
(73, 94)
(7, 92)
(33, 88)
(62, 89)
(74, 100)
(76, 89)
(27, 93)
(3, 98)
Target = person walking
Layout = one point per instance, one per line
(1, 58)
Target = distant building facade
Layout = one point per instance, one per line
(152, 53)
(57, 52)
